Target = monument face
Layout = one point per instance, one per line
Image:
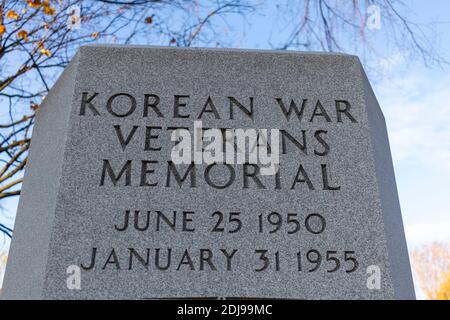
(115, 204)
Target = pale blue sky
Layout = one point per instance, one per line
(416, 103)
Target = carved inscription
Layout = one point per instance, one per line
(311, 138)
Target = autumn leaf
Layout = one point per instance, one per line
(49, 10)
(443, 292)
(94, 35)
(22, 34)
(46, 52)
(34, 3)
(40, 45)
(12, 15)
(34, 106)
(149, 20)
(2, 29)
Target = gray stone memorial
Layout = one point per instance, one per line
(106, 211)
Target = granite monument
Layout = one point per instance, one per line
(116, 205)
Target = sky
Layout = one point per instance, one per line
(415, 100)
(416, 103)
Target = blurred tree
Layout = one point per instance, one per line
(355, 26)
(39, 37)
(431, 264)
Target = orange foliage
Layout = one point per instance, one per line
(12, 15)
(431, 264)
(46, 52)
(22, 34)
(444, 290)
(34, 3)
(49, 10)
